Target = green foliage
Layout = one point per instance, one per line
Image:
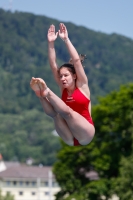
(28, 135)
(23, 54)
(8, 196)
(113, 118)
(124, 183)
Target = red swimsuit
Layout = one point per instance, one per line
(79, 103)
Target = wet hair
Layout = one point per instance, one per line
(70, 65)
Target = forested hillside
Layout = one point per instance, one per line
(25, 131)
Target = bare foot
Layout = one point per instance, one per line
(43, 87)
(34, 86)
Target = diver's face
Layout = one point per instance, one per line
(67, 78)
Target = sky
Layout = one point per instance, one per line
(107, 16)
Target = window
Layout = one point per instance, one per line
(33, 183)
(27, 182)
(21, 193)
(14, 182)
(46, 183)
(8, 183)
(46, 193)
(20, 182)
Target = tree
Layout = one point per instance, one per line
(112, 141)
(23, 54)
(8, 196)
(123, 185)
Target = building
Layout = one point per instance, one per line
(27, 182)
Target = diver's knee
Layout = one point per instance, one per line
(69, 142)
(86, 140)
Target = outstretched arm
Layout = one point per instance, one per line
(81, 76)
(52, 35)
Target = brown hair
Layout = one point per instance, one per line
(70, 65)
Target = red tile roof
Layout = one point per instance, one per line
(30, 172)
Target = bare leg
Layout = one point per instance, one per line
(60, 124)
(63, 130)
(80, 128)
(47, 107)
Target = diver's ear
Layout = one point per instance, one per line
(75, 76)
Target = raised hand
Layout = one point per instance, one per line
(52, 35)
(63, 32)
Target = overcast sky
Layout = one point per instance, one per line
(107, 16)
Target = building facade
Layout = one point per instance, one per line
(28, 182)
